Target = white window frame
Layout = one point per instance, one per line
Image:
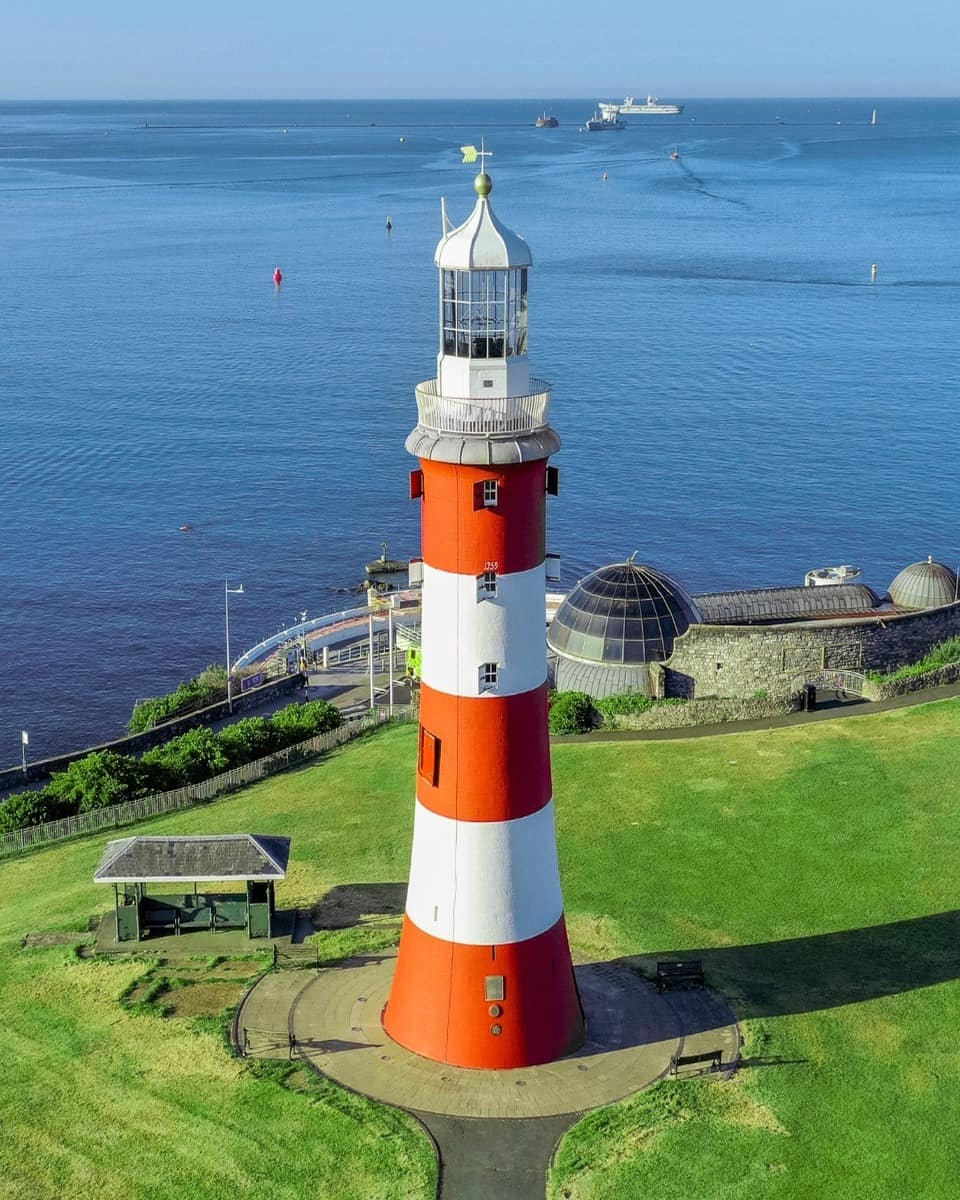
(487, 586)
(491, 493)
(488, 675)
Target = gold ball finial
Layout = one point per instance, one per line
(483, 184)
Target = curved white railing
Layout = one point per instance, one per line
(483, 414)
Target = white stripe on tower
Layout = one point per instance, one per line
(485, 883)
(462, 629)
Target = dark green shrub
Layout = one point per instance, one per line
(297, 722)
(190, 758)
(31, 808)
(247, 740)
(207, 688)
(572, 712)
(98, 780)
(626, 704)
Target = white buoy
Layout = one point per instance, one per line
(874, 271)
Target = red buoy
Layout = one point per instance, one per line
(278, 276)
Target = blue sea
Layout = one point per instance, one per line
(737, 402)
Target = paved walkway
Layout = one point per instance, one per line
(495, 1130)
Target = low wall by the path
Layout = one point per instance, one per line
(137, 743)
(888, 688)
(706, 712)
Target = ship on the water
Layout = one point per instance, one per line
(630, 107)
(601, 121)
(546, 122)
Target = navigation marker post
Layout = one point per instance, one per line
(24, 743)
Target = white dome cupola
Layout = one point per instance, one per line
(483, 305)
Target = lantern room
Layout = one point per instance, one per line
(483, 305)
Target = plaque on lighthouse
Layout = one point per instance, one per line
(484, 925)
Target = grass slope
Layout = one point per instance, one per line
(812, 868)
(99, 1101)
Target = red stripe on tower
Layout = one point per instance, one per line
(484, 975)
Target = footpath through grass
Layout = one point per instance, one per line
(812, 868)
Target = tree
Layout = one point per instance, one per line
(98, 780)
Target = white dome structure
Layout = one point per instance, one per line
(482, 243)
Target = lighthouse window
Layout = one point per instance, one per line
(483, 314)
(491, 493)
(428, 764)
(488, 676)
(487, 585)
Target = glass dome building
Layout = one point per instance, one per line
(612, 626)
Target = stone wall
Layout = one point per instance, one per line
(739, 660)
(138, 743)
(915, 683)
(706, 712)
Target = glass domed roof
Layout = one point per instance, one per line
(625, 613)
(927, 584)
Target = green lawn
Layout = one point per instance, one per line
(814, 869)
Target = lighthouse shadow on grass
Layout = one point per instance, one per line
(801, 975)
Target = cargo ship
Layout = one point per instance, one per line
(603, 120)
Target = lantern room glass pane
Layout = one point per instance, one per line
(483, 314)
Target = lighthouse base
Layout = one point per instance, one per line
(486, 1007)
(631, 1033)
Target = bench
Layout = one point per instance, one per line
(160, 918)
(201, 916)
(680, 974)
(714, 1057)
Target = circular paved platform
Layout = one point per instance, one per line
(632, 1032)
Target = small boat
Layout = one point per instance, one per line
(278, 276)
(186, 528)
(873, 119)
(545, 122)
(676, 153)
(598, 123)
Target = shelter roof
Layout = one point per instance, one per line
(765, 605)
(186, 859)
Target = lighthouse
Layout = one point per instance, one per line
(484, 977)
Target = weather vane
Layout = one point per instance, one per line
(471, 154)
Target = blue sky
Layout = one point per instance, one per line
(59, 49)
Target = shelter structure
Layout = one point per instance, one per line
(138, 867)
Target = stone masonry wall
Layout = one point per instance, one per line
(705, 712)
(742, 660)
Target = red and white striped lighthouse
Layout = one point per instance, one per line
(484, 976)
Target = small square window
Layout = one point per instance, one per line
(488, 383)
(488, 676)
(491, 493)
(494, 987)
(487, 585)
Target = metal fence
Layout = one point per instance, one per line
(195, 793)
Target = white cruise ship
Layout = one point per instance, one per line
(630, 107)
